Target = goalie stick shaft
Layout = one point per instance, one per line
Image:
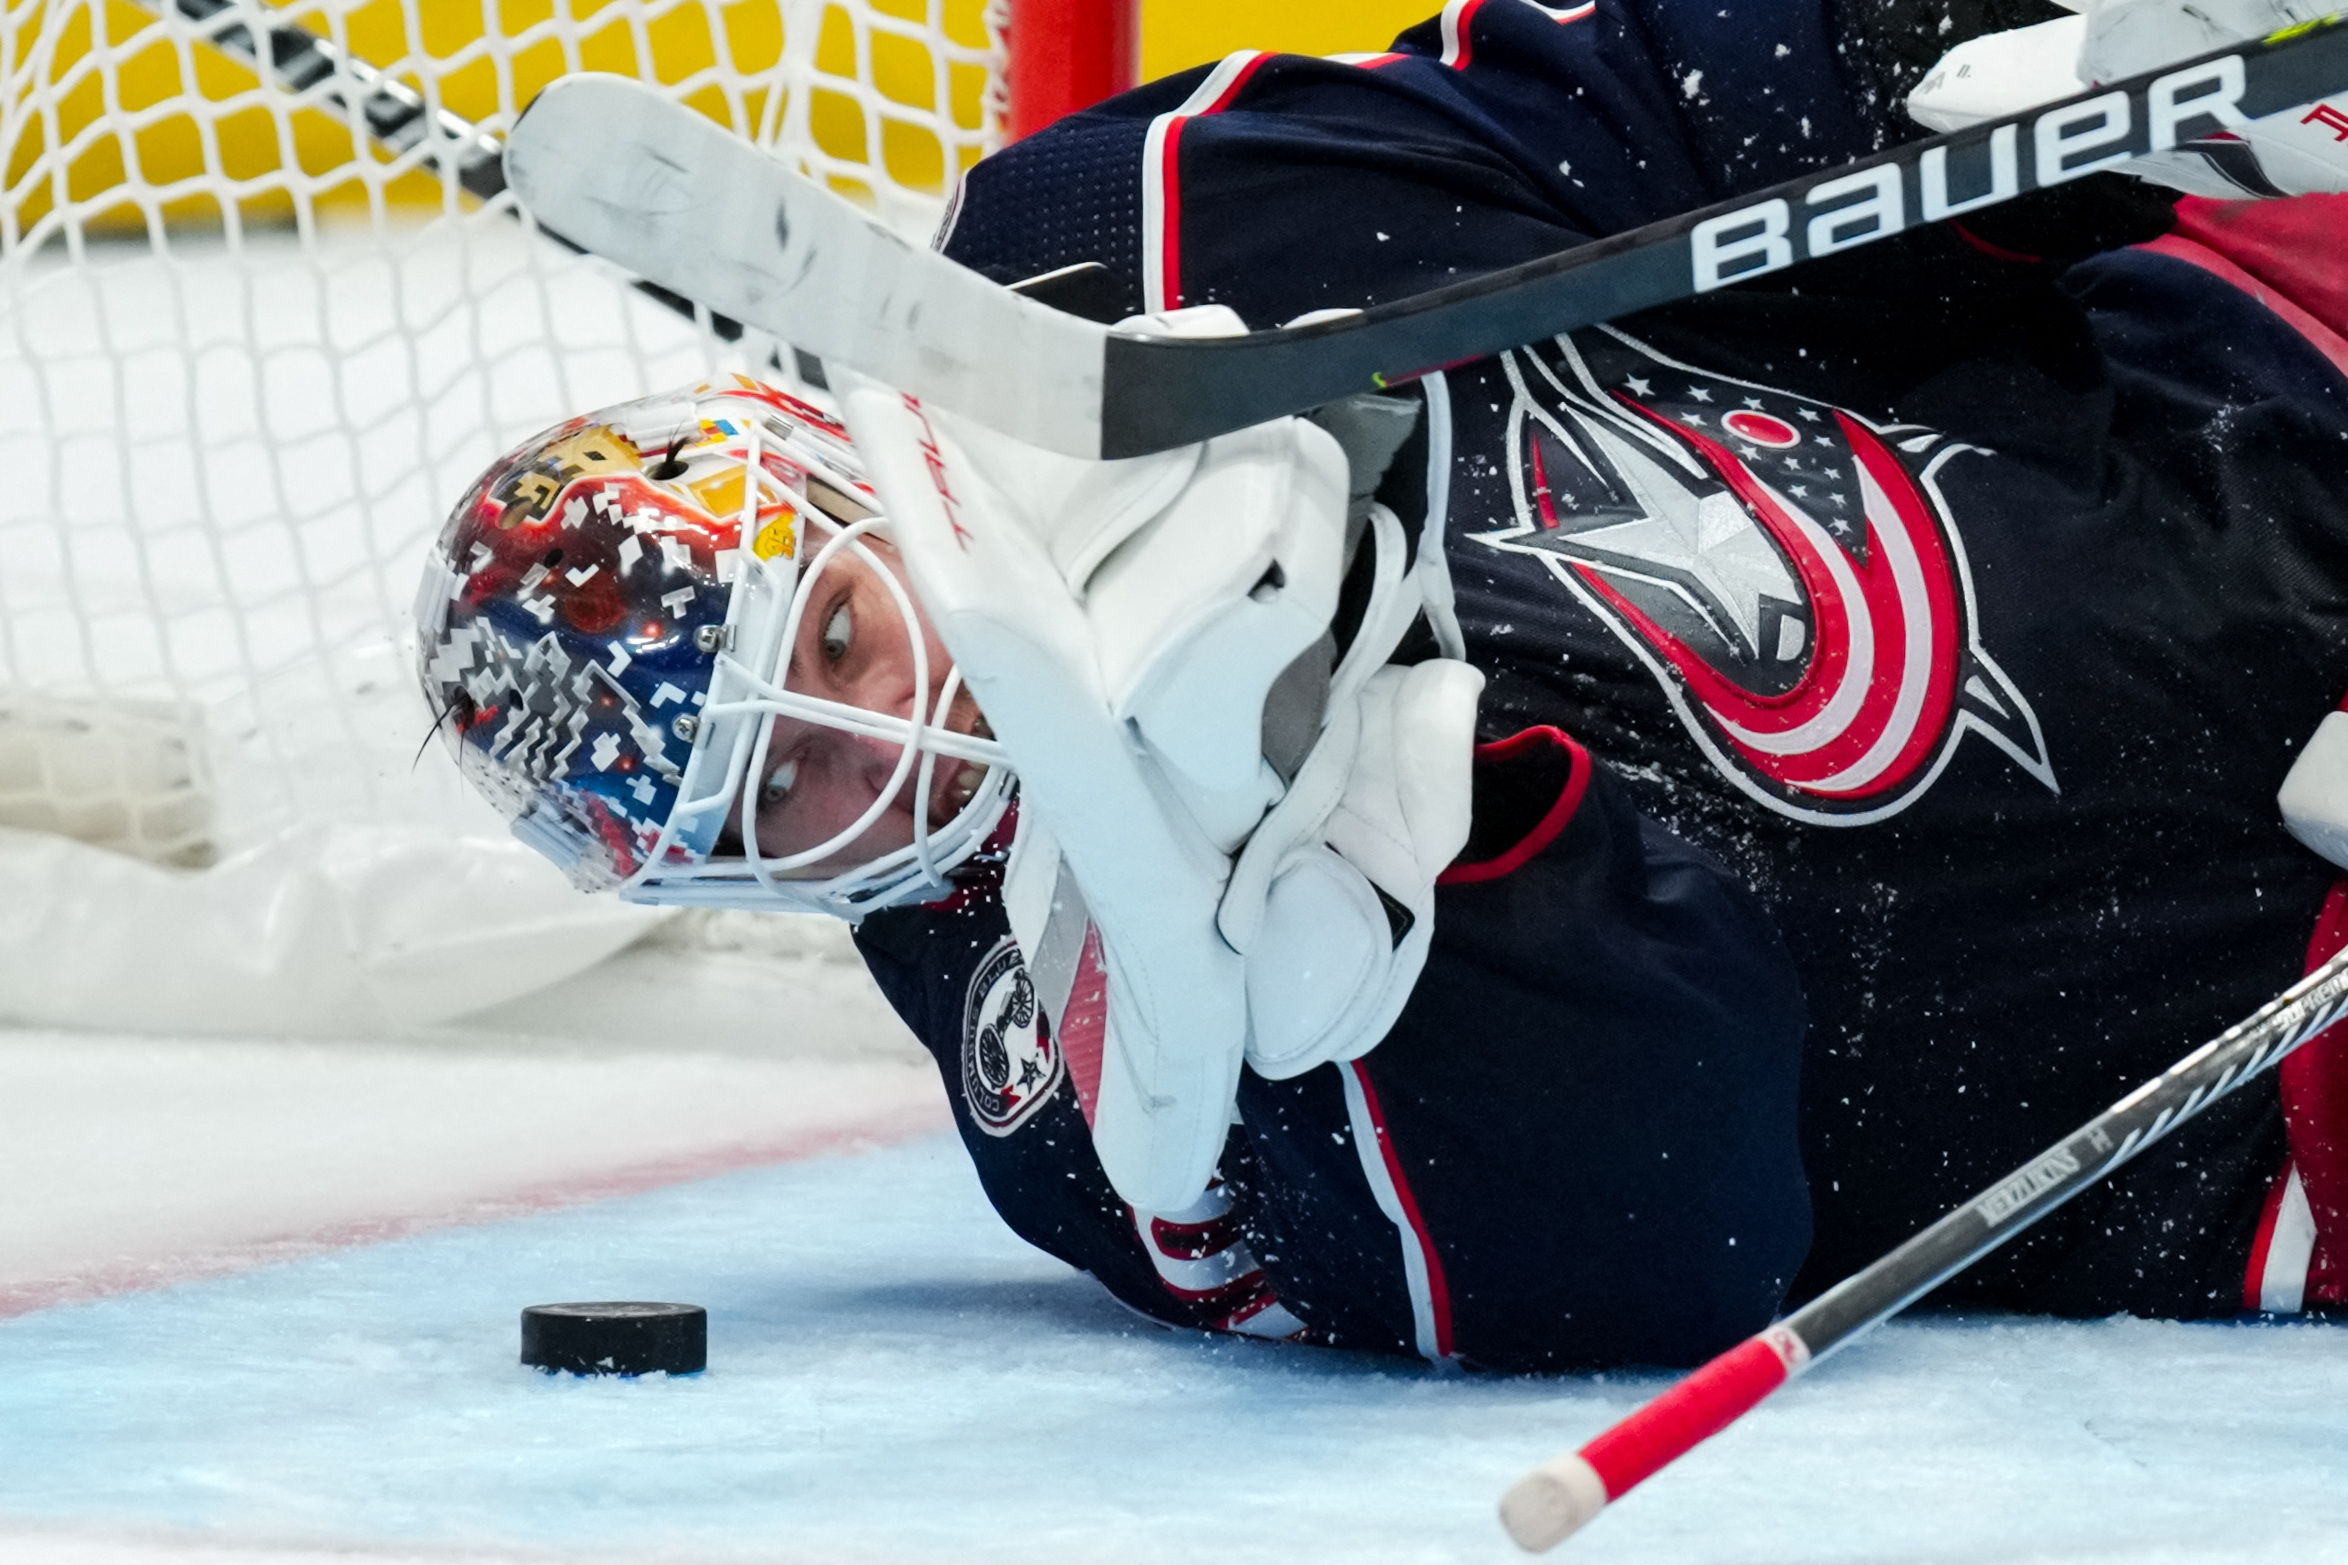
(1561, 1496)
(670, 196)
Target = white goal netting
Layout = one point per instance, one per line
(253, 344)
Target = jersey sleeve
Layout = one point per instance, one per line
(1495, 132)
(956, 976)
(1578, 1146)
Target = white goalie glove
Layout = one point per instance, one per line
(1138, 633)
(2314, 795)
(2302, 151)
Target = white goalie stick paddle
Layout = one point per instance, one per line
(1559, 1497)
(671, 196)
(676, 197)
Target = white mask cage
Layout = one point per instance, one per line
(749, 690)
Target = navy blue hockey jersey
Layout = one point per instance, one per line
(1939, 619)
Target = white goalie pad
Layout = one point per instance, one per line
(1998, 73)
(1349, 912)
(2127, 37)
(1121, 625)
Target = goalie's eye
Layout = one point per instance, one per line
(838, 631)
(778, 783)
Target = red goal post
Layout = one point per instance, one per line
(1066, 55)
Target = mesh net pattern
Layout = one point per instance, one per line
(251, 353)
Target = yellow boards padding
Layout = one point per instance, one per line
(68, 60)
(1177, 34)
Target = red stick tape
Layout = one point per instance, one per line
(1695, 1410)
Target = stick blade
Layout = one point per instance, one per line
(648, 184)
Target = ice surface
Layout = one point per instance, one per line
(223, 481)
(132, 1162)
(894, 1377)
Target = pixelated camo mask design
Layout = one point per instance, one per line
(602, 632)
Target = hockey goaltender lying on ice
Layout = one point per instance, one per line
(1543, 867)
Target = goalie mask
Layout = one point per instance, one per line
(637, 613)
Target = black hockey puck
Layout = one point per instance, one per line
(616, 1339)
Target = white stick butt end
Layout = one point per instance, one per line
(1552, 1502)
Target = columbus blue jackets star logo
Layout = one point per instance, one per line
(1786, 570)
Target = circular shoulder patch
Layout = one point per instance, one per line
(1010, 1062)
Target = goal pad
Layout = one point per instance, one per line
(261, 330)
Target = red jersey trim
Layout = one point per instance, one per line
(1459, 48)
(1422, 1267)
(1559, 816)
(2282, 253)
(1994, 252)
(2295, 1255)
(1161, 177)
(2319, 336)
(2313, 1085)
(1084, 1024)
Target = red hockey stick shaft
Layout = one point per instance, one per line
(1557, 1499)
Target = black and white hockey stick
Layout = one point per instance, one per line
(393, 114)
(671, 196)
(1559, 1497)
